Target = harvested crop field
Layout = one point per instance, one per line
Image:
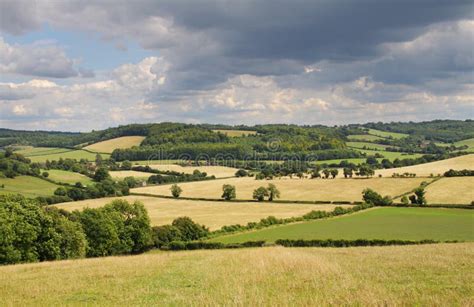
(123, 174)
(121, 142)
(294, 189)
(210, 213)
(453, 190)
(435, 168)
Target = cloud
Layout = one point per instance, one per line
(42, 59)
(248, 62)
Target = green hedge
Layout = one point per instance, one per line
(180, 245)
(349, 243)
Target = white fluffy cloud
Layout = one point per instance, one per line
(41, 59)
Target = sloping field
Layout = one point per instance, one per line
(218, 171)
(453, 190)
(426, 275)
(364, 137)
(112, 144)
(437, 167)
(123, 174)
(27, 186)
(210, 213)
(30, 151)
(236, 133)
(67, 177)
(377, 223)
(391, 155)
(57, 153)
(367, 145)
(386, 134)
(468, 142)
(294, 189)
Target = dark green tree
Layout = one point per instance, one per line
(228, 192)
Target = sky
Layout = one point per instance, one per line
(83, 65)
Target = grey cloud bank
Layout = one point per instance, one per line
(310, 62)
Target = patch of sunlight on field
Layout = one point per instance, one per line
(453, 190)
(294, 189)
(210, 213)
(425, 275)
(435, 168)
(121, 142)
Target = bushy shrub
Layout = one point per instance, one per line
(374, 198)
(163, 235)
(189, 229)
(29, 233)
(348, 243)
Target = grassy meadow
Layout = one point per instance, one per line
(386, 134)
(367, 145)
(468, 142)
(390, 155)
(41, 154)
(435, 168)
(67, 177)
(294, 189)
(364, 137)
(27, 186)
(438, 274)
(376, 223)
(210, 213)
(110, 145)
(453, 190)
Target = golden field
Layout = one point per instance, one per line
(116, 143)
(453, 190)
(210, 213)
(123, 174)
(294, 189)
(425, 275)
(236, 133)
(435, 168)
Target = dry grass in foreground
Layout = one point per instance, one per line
(295, 189)
(210, 213)
(440, 274)
(454, 190)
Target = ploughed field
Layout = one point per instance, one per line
(424, 275)
(377, 223)
(294, 189)
(209, 213)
